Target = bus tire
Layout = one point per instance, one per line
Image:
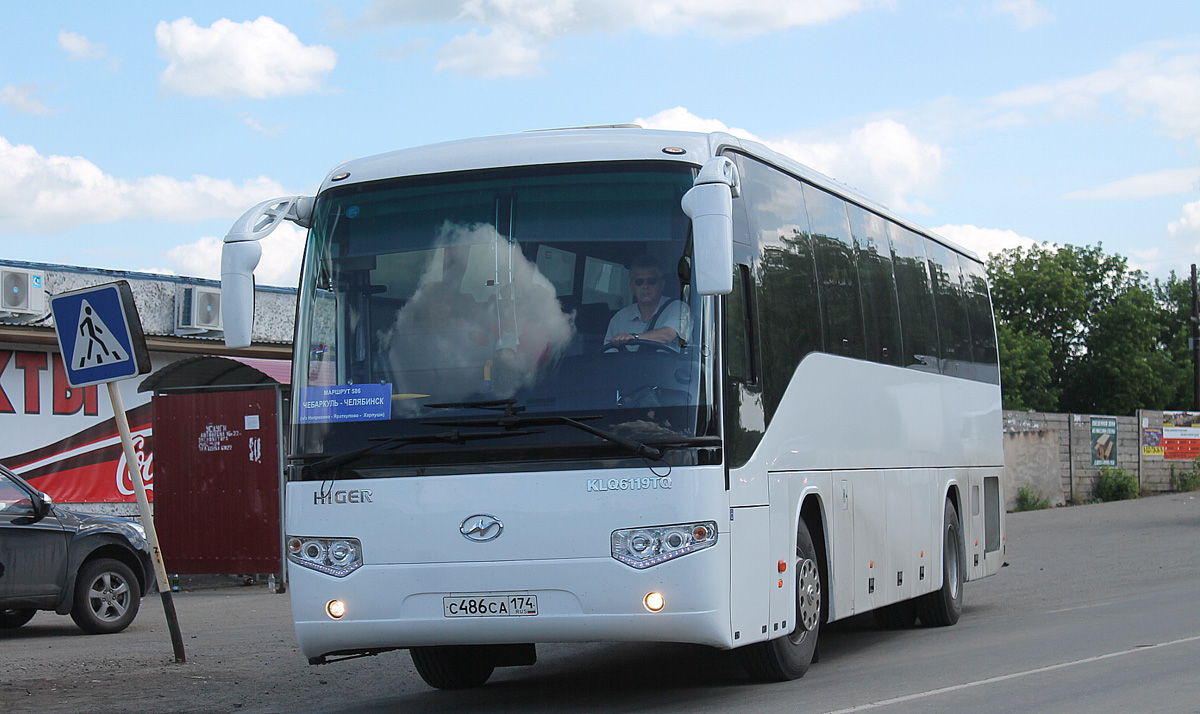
(788, 657)
(942, 607)
(453, 666)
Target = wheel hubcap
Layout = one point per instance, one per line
(109, 597)
(808, 597)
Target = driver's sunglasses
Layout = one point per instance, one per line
(645, 281)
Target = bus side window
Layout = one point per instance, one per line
(950, 303)
(979, 317)
(837, 273)
(739, 330)
(915, 297)
(878, 286)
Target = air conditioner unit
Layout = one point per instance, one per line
(22, 292)
(197, 310)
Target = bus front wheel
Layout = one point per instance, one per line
(453, 666)
(789, 657)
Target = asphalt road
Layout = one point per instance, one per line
(1098, 611)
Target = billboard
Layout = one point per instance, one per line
(63, 439)
(1181, 435)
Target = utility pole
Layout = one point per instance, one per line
(1195, 343)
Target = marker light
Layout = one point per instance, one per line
(335, 609)
(654, 602)
(646, 547)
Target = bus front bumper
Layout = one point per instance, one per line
(578, 600)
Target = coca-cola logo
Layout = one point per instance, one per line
(145, 461)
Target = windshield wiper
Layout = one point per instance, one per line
(512, 419)
(515, 421)
(454, 436)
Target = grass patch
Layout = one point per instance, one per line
(1030, 500)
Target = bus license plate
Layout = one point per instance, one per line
(491, 606)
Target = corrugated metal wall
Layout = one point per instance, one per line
(216, 484)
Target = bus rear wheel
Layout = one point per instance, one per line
(453, 666)
(789, 657)
(942, 607)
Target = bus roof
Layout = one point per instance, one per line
(590, 144)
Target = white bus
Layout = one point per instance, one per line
(610, 384)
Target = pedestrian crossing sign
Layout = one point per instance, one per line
(100, 334)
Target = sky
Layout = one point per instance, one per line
(133, 134)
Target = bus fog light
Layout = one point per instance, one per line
(646, 547)
(654, 602)
(335, 609)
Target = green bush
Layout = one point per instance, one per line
(1115, 484)
(1030, 500)
(1188, 480)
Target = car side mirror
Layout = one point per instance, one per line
(709, 203)
(41, 505)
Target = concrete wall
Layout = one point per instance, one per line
(1053, 455)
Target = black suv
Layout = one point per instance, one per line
(94, 567)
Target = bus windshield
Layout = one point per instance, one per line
(429, 304)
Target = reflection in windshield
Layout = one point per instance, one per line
(443, 336)
(506, 284)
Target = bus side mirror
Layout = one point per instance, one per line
(240, 255)
(709, 203)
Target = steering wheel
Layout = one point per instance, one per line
(614, 347)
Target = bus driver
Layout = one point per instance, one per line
(652, 316)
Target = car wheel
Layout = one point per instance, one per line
(10, 619)
(788, 657)
(107, 596)
(453, 666)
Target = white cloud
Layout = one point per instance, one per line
(1028, 14)
(680, 119)
(1188, 225)
(1161, 80)
(883, 158)
(984, 241)
(524, 28)
(23, 99)
(50, 194)
(268, 131)
(282, 252)
(1158, 183)
(500, 53)
(79, 47)
(258, 59)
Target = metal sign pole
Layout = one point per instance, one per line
(101, 340)
(160, 568)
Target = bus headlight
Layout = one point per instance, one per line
(645, 547)
(333, 556)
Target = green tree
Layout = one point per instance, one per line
(1082, 332)
(1123, 367)
(1175, 297)
(1025, 363)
